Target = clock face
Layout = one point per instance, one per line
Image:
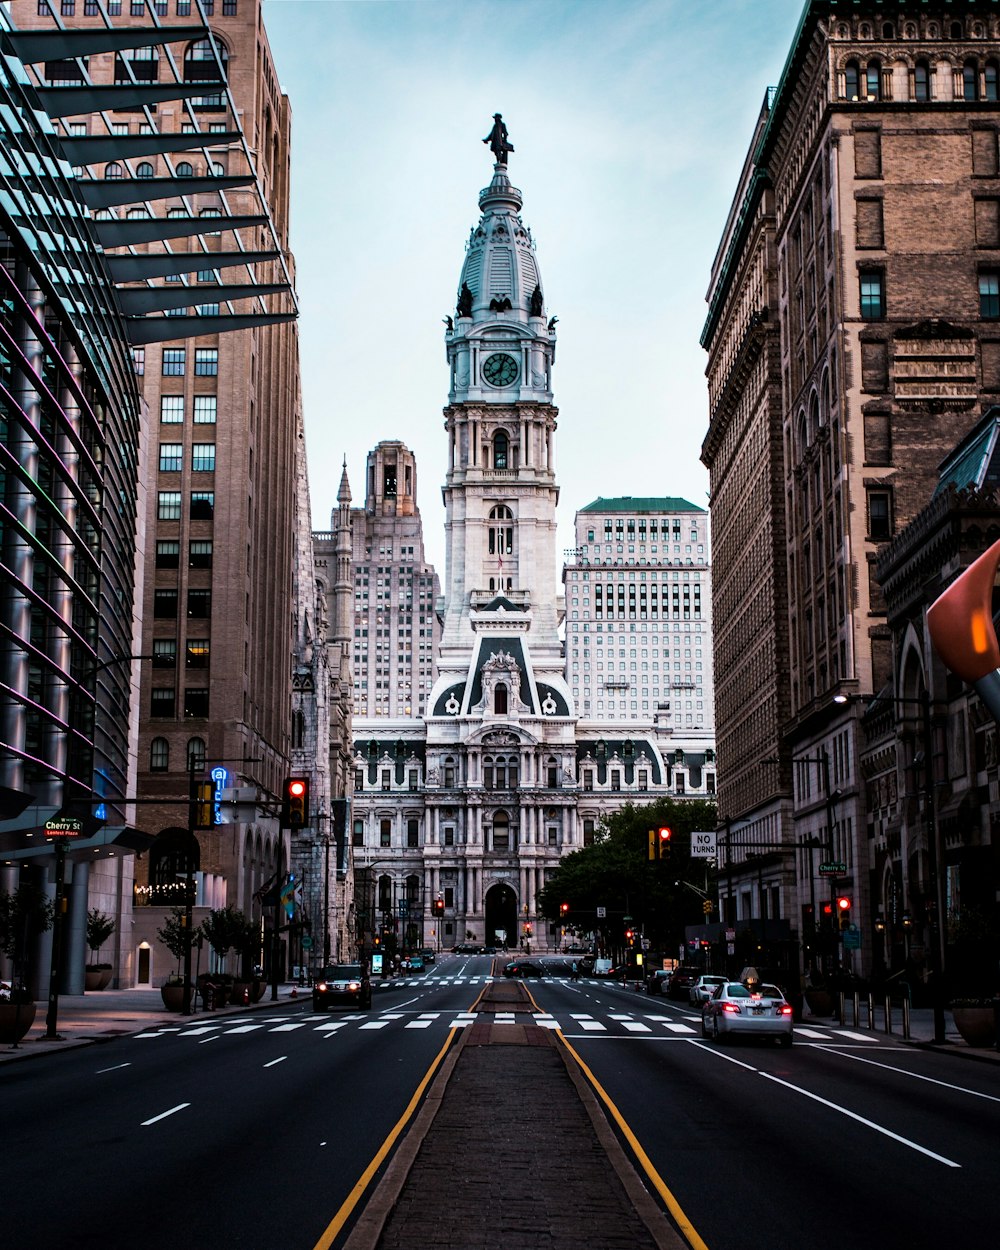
(500, 369)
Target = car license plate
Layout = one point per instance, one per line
(758, 1011)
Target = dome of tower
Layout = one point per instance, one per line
(500, 269)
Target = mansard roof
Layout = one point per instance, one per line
(641, 503)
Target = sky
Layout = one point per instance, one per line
(630, 121)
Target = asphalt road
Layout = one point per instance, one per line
(241, 1133)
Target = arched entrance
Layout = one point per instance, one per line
(501, 916)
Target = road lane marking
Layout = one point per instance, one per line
(374, 1024)
(287, 1028)
(205, 1028)
(573, 1016)
(687, 1229)
(634, 1026)
(274, 1061)
(851, 1115)
(114, 1069)
(351, 1201)
(214, 1038)
(463, 1021)
(331, 1024)
(858, 1037)
(675, 1026)
(593, 1026)
(916, 1076)
(547, 1024)
(138, 1035)
(825, 1037)
(418, 1024)
(163, 1114)
(245, 1028)
(429, 1015)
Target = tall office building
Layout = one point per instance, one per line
(852, 338)
(639, 613)
(190, 180)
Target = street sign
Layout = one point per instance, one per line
(602, 913)
(730, 936)
(67, 827)
(307, 942)
(703, 844)
(833, 868)
(852, 938)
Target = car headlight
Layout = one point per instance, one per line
(321, 985)
(353, 985)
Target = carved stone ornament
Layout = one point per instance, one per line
(452, 707)
(549, 705)
(500, 738)
(501, 667)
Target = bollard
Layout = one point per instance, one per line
(906, 1018)
(841, 1009)
(857, 1009)
(888, 1014)
(871, 1011)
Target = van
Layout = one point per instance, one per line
(602, 967)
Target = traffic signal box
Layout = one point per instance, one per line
(295, 803)
(659, 842)
(844, 912)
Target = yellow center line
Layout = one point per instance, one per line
(352, 1199)
(673, 1206)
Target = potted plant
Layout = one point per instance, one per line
(178, 939)
(99, 928)
(975, 1019)
(24, 914)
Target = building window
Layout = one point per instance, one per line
(412, 833)
(162, 702)
(173, 361)
(168, 553)
(159, 755)
(989, 294)
(205, 409)
(203, 458)
(385, 833)
(588, 831)
(195, 755)
(199, 604)
(165, 604)
(879, 516)
(852, 76)
(206, 362)
(872, 294)
(501, 832)
(202, 505)
(501, 450)
(616, 779)
(449, 836)
(921, 82)
(873, 75)
(970, 81)
(358, 833)
(197, 653)
(164, 653)
(168, 505)
(196, 702)
(991, 74)
(172, 409)
(171, 457)
(200, 553)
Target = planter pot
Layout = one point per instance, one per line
(98, 978)
(173, 996)
(819, 1002)
(15, 1020)
(976, 1025)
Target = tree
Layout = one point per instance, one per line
(24, 914)
(176, 936)
(99, 928)
(617, 874)
(226, 929)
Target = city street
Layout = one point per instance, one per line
(235, 1131)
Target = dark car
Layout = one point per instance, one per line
(682, 980)
(342, 985)
(657, 980)
(523, 968)
(428, 955)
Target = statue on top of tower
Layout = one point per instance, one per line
(497, 139)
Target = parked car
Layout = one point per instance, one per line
(681, 981)
(703, 989)
(342, 985)
(734, 1010)
(417, 963)
(602, 967)
(523, 968)
(428, 955)
(657, 981)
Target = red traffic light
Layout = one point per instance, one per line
(843, 904)
(439, 907)
(296, 788)
(295, 803)
(563, 908)
(664, 835)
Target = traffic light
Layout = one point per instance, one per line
(563, 908)
(438, 907)
(203, 807)
(664, 835)
(630, 936)
(844, 911)
(295, 803)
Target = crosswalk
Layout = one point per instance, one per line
(573, 1024)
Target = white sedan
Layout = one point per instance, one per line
(703, 989)
(735, 1010)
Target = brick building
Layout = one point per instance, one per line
(852, 339)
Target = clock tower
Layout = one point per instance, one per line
(500, 493)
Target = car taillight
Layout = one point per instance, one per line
(784, 1009)
(731, 1008)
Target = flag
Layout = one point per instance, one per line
(288, 897)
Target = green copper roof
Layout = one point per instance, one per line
(642, 503)
(975, 462)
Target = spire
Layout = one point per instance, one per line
(344, 493)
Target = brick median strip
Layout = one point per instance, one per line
(483, 1165)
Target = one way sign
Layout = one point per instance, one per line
(703, 844)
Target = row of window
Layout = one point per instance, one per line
(202, 457)
(136, 8)
(163, 702)
(115, 170)
(167, 599)
(168, 553)
(206, 362)
(872, 82)
(204, 409)
(159, 756)
(873, 297)
(201, 505)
